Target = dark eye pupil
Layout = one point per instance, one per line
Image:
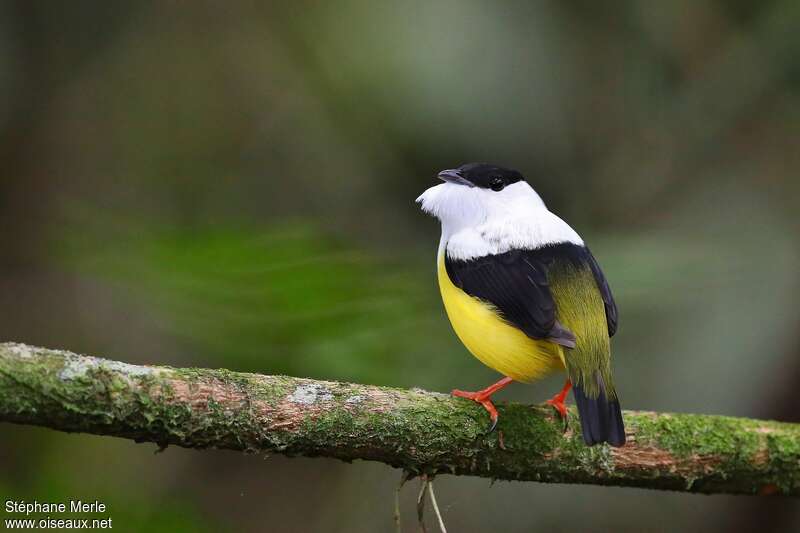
(497, 184)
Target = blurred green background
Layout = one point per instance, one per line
(232, 185)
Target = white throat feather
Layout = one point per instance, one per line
(477, 222)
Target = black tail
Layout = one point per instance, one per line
(601, 418)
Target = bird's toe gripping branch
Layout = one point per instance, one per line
(484, 401)
(483, 397)
(558, 404)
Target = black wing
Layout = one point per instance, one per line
(612, 315)
(516, 283)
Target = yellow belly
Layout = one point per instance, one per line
(492, 340)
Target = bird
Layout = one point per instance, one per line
(524, 293)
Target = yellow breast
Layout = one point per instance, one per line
(495, 342)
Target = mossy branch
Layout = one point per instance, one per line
(419, 431)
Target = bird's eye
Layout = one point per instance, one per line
(497, 184)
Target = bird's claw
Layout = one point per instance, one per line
(561, 409)
(492, 425)
(483, 397)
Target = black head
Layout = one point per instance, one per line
(481, 175)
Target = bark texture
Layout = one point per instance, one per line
(416, 430)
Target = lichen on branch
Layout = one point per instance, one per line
(418, 431)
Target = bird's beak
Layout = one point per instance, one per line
(454, 176)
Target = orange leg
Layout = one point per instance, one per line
(557, 401)
(483, 397)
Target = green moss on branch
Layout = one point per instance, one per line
(419, 431)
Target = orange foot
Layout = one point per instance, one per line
(557, 401)
(483, 397)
